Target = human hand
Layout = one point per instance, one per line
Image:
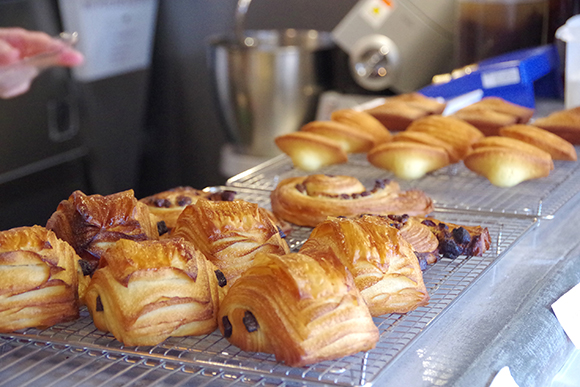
(16, 45)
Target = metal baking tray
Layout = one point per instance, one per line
(452, 188)
(212, 358)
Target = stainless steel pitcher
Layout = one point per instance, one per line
(267, 83)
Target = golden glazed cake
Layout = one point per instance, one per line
(300, 309)
(555, 145)
(364, 122)
(309, 200)
(382, 262)
(230, 234)
(92, 223)
(350, 138)
(145, 292)
(38, 279)
(564, 123)
(311, 151)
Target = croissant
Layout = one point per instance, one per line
(230, 234)
(382, 262)
(90, 224)
(144, 292)
(300, 309)
(38, 279)
(309, 200)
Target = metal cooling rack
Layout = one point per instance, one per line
(78, 349)
(453, 188)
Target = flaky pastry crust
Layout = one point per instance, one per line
(145, 292)
(309, 200)
(300, 309)
(38, 279)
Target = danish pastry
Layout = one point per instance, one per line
(397, 112)
(382, 262)
(144, 292)
(564, 123)
(555, 145)
(300, 309)
(408, 160)
(311, 151)
(309, 200)
(90, 224)
(351, 139)
(364, 122)
(38, 279)
(230, 234)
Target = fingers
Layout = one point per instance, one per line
(29, 42)
(70, 58)
(8, 54)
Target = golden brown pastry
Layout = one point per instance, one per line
(38, 279)
(230, 234)
(90, 224)
(506, 166)
(351, 138)
(309, 200)
(491, 113)
(145, 292)
(397, 112)
(363, 121)
(564, 123)
(311, 151)
(513, 143)
(426, 139)
(300, 309)
(555, 145)
(382, 262)
(408, 160)
(167, 205)
(457, 133)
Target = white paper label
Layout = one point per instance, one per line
(567, 311)
(115, 36)
(375, 12)
(499, 78)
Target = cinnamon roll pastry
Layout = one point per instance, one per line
(92, 223)
(300, 309)
(555, 145)
(350, 138)
(230, 234)
(144, 292)
(311, 151)
(39, 276)
(309, 200)
(167, 205)
(382, 262)
(364, 122)
(397, 112)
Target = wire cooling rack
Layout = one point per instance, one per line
(453, 188)
(212, 359)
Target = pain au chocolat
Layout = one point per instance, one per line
(300, 309)
(38, 279)
(309, 200)
(230, 234)
(382, 262)
(92, 223)
(145, 292)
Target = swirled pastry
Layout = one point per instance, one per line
(90, 224)
(351, 138)
(309, 200)
(311, 151)
(145, 292)
(364, 122)
(167, 205)
(382, 262)
(300, 309)
(555, 145)
(230, 234)
(38, 279)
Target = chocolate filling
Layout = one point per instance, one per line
(222, 281)
(250, 322)
(227, 327)
(99, 306)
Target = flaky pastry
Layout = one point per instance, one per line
(230, 234)
(145, 292)
(382, 262)
(38, 279)
(300, 309)
(309, 200)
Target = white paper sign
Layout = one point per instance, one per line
(503, 379)
(567, 311)
(115, 36)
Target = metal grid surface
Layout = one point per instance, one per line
(76, 347)
(454, 187)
